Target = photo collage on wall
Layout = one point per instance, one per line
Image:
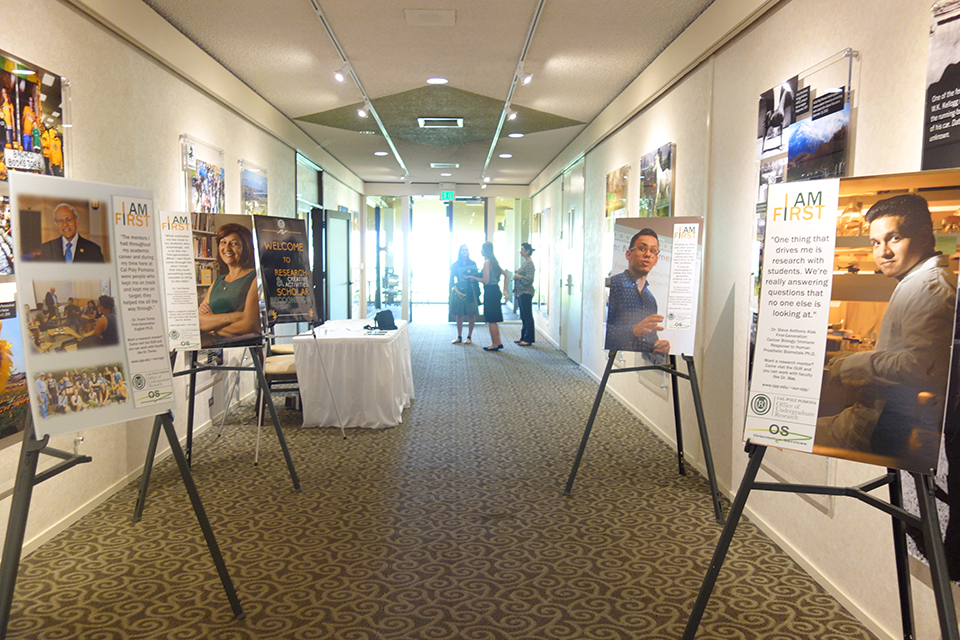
(803, 126)
(31, 119)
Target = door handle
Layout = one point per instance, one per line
(569, 284)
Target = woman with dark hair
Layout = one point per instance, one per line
(105, 331)
(464, 294)
(524, 290)
(230, 310)
(492, 296)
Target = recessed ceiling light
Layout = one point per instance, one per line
(380, 153)
(436, 81)
(514, 135)
(445, 175)
(506, 155)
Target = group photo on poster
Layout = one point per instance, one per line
(66, 315)
(229, 309)
(31, 120)
(654, 285)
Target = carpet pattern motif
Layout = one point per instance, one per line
(452, 525)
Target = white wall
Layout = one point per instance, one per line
(711, 115)
(129, 112)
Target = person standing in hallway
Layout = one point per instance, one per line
(464, 294)
(524, 290)
(492, 296)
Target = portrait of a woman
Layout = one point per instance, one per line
(230, 310)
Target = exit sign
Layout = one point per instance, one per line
(447, 190)
(446, 195)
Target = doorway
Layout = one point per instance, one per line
(571, 260)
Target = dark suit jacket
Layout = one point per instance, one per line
(50, 305)
(85, 250)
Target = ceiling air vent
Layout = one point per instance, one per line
(440, 123)
(444, 165)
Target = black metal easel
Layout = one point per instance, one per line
(928, 522)
(192, 370)
(674, 373)
(27, 478)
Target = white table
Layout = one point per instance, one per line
(369, 375)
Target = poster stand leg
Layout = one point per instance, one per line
(936, 556)
(593, 415)
(726, 537)
(928, 521)
(27, 477)
(900, 557)
(704, 437)
(268, 399)
(676, 415)
(147, 469)
(674, 373)
(191, 403)
(166, 421)
(151, 455)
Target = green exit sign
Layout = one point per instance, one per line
(447, 195)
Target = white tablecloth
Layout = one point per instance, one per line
(370, 375)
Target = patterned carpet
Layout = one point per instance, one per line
(450, 526)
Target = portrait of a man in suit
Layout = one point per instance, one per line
(70, 246)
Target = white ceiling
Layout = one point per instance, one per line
(581, 55)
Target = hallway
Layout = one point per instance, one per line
(452, 525)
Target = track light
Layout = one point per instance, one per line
(511, 114)
(343, 72)
(364, 110)
(527, 79)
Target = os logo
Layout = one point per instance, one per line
(174, 335)
(139, 382)
(760, 404)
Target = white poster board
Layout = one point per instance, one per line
(672, 284)
(180, 280)
(110, 366)
(794, 313)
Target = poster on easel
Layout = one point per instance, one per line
(856, 321)
(655, 285)
(96, 352)
(31, 118)
(284, 262)
(228, 298)
(180, 280)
